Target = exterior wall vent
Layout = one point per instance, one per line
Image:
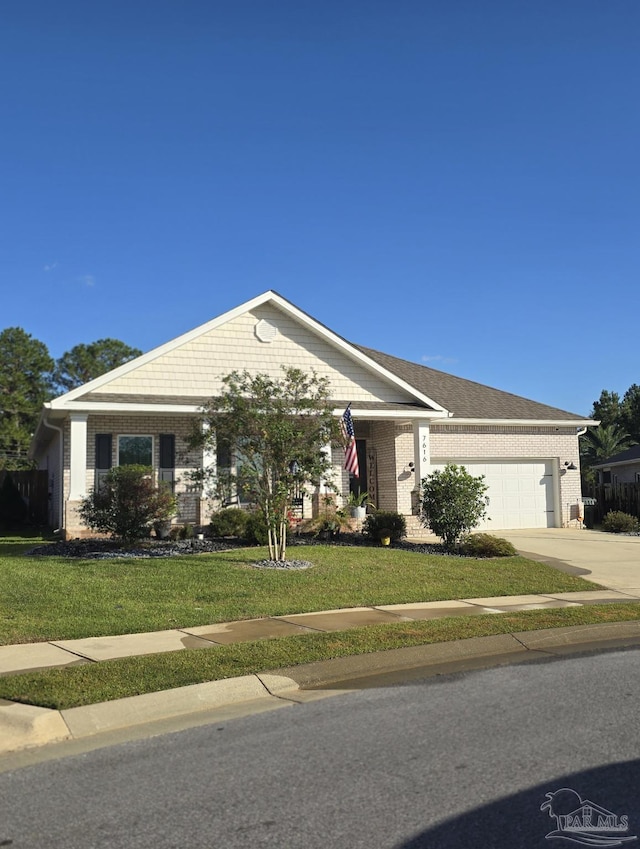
(265, 331)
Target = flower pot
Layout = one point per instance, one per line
(162, 530)
(385, 540)
(359, 513)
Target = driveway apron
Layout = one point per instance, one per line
(611, 560)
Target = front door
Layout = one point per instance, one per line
(360, 484)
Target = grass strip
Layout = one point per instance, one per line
(56, 598)
(115, 679)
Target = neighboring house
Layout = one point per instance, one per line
(621, 468)
(409, 420)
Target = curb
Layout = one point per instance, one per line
(26, 726)
(22, 726)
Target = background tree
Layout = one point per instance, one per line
(276, 431)
(86, 362)
(599, 444)
(606, 409)
(453, 503)
(629, 418)
(25, 383)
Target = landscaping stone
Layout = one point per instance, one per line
(94, 549)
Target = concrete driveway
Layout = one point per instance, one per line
(612, 560)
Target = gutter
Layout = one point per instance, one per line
(61, 470)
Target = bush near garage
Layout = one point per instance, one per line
(453, 503)
(617, 522)
(486, 545)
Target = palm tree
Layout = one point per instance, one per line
(599, 444)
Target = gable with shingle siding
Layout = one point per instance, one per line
(194, 370)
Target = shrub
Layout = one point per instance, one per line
(256, 528)
(485, 545)
(229, 522)
(186, 532)
(453, 503)
(127, 503)
(388, 520)
(617, 522)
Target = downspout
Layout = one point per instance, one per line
(580, 432)
(60, 472)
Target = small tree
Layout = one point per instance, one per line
(453, 503)
(275, 431)
(127, 503)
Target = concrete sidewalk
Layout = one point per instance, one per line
(25, 729)
(23, 726)
(30, 657)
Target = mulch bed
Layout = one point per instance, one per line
(95, 549)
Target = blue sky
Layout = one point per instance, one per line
(453, 182)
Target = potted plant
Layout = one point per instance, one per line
(330, 529)
(385, 536)
(357, 504)
(385, 523)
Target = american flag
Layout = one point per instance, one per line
(349, 436)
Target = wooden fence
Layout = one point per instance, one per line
(614, 496)
(33, 487)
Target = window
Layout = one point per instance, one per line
(224, 470)
(103, 457)
(233, 486)
(135, 450)
(167, 470)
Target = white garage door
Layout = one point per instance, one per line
(520, 493)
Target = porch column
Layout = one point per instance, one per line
(422, 460)
(421, 450)
(206, 501)
(331, 477)
(78, 456)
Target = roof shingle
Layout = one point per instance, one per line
(465, 398)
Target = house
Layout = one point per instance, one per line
(621, 468)
(409, 420)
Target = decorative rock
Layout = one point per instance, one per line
(282, 564)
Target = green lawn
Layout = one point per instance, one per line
(115, 679)
(53, 598)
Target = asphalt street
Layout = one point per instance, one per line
(457, 761)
